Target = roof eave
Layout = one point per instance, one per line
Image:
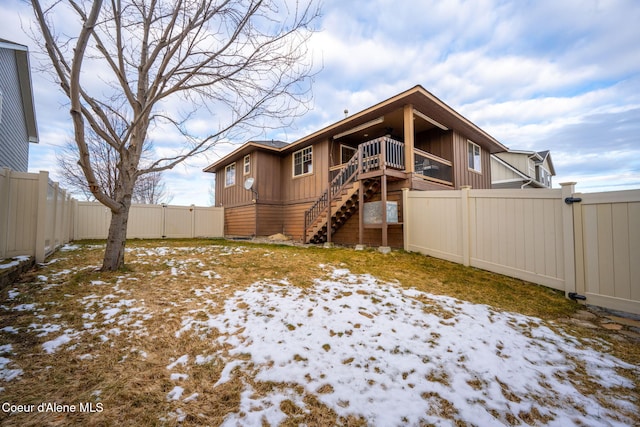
(410, 96)
(26, 94)
(241, 151)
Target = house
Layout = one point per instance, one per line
(356, 168)
(522, 169)
(17, 113)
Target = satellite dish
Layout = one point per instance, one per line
(248, 183)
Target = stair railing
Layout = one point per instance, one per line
(345, 176)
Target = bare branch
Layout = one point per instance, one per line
(141, 66)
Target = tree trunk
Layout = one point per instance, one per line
(116, 240)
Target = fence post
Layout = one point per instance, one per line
(193, 220)
(466, 237)
(41, 222)
(568, 237)
(73, 220)
(5, 187)
(54, 230)
(405, 218)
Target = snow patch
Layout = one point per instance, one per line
(391, 355)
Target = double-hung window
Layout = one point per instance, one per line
(230, 175)
(474, 156)
(303, 161)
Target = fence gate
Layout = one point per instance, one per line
(607, 249)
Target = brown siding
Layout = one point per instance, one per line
(461, 173)
(436, 142)
(293, 219)
(266, 168)
(240, 221)
(307, 187)
(234, 195)
(270, 220)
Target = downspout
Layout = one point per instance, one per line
(525, 184)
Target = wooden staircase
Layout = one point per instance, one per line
(343, 206)
(339, 202)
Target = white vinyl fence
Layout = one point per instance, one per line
(151, 221)
(36, 216)
(589, 247)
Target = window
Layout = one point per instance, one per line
(247, 164)
(545, 177)
(346, 153)
(532, 168)
(474, 156)
(303, 161)
(230, 175)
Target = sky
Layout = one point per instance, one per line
(536, 75)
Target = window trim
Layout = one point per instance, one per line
(246, 164)
(545, 176)
(302, 153)
(343, 161)
(226, 174)
(472, 168)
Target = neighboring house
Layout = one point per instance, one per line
(17, 113)
(412, 140)
(522, 169)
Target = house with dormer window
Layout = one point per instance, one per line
(522, 169)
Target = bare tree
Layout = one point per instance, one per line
(158, 63)
(149, 188)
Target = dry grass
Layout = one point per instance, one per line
(126, 370)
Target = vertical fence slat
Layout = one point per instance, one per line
(41, 223)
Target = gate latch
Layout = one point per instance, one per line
(572, 200)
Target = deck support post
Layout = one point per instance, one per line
(360, 200)
(329, 214)
(408, 138)
(383, 178)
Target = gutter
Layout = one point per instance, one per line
(525, 184)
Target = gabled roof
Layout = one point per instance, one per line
(538, 157)
(421, 99)
(26, 88)
(531, 180)
(546, 155)
(246, 148)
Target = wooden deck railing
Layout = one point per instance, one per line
(382, 153)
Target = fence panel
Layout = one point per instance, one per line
(151, 221)
(20, 204)
(145, 222)
(518, 233)
(607, 262)
(178, 221)
(591, 247)
(432, 224)
(91, 221)
(34, 214)
(208, 222)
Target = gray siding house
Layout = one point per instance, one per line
(522, 169)
(17, 112)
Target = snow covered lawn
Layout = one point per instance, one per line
(191, 336)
